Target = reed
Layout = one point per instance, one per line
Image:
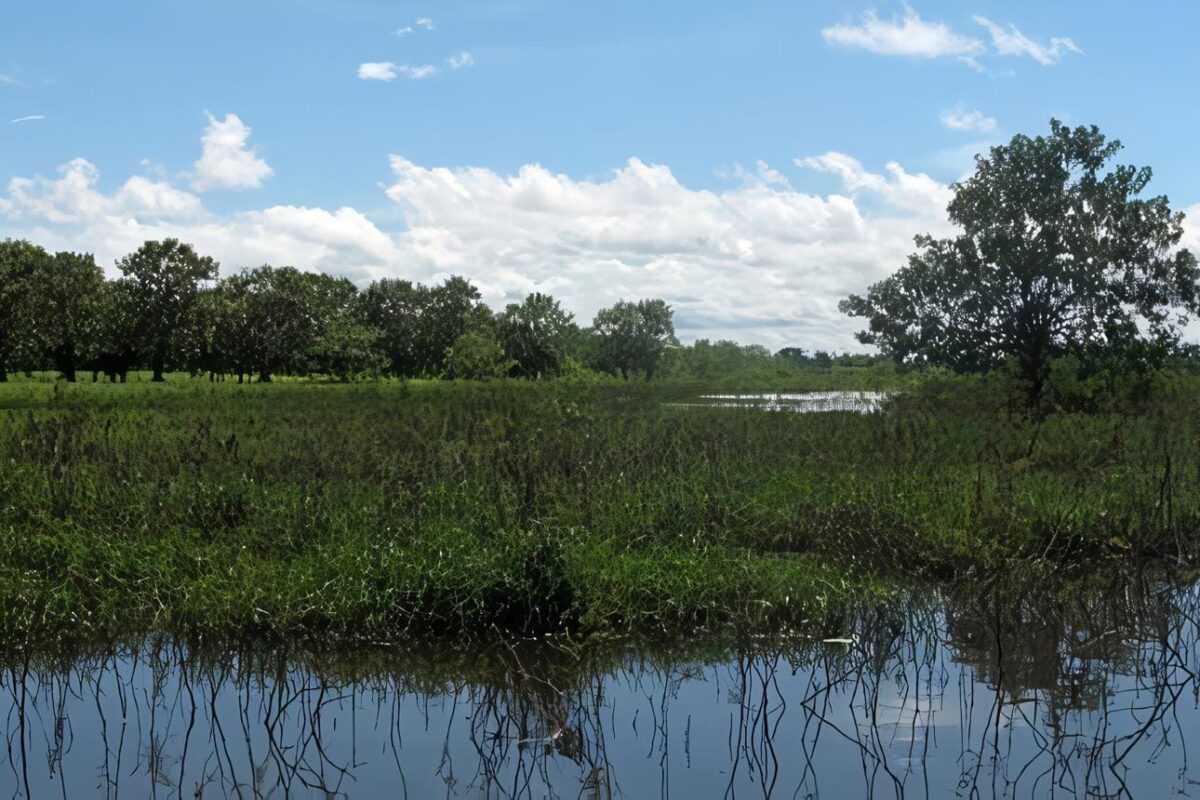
(371, 510)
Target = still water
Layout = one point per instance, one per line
(801, 402)
(1003, 690)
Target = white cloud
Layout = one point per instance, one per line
(905, 36)
(909, 35)
(387, 71)
(30, 118)
(1011, 42)
(424, 22)
(377, 71)
(225, 160)
(960, 118)
(405, 31)
(73, 198)
(463, 59)
(756, 261)
(9, 80)
(1191, 229)
(417, 73)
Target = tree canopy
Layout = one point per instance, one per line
(1058, 254)
(165, 278)
(632, 337)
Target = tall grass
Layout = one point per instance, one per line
(370, 510)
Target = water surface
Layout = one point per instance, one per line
(1005, 691)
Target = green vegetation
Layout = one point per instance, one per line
(367, 510)
(1051, 419)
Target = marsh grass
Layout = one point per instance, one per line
(375, 510)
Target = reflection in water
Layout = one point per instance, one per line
(1015, 692)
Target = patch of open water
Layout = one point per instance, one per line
(802, 402)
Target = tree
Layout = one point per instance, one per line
(631, 337)
(346, 350)
(67, 292)
(18, 261)
(535, 335)
(165, 278)
(478, 356)
(418, 324)
(1058, 255)
(118, 333)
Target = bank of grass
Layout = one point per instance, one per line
(374, 510)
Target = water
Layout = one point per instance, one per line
(802, 402)
(1015, 691)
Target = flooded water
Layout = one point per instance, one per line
(802, 402)
(1015, 692)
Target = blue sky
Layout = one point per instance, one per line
(762, 133)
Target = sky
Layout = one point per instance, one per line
(751, 163)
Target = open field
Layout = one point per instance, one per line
(369, 510)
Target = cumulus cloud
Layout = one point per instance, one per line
(1011, 42)
(908, 35)
(463, 59)
(964, 119)
(69, 212)
(73, 198)
(758, 260)
(226, 162)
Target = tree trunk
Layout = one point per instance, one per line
(264, 377)
(156, 365)
(3, 374)
(241, 378)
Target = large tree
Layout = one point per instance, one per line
(1058, 253)
(165, 278)
(632, 337)
(18, 262)
(67, 292)
(535, 335)
(419, 324)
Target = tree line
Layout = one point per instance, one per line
(170, 311)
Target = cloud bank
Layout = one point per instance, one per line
(758, 261)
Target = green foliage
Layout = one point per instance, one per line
(346, 350)
(536, 336)
(478, 356)
(418, 324)
(19, 260)
(1058, 255)
(362, 510)
(67, 290)
(164, 279)
(630, 338)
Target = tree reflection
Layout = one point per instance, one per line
(1010, 688)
